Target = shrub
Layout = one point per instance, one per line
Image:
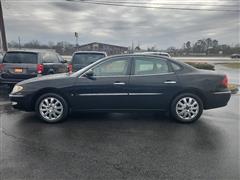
(233, 88)
(200, 65)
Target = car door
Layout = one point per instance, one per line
(152, 83)
(106, 89)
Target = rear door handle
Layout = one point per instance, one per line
(170, 82)
(119, 83)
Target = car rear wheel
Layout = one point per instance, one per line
(52, 108)
(186, 108)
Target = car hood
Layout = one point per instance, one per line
(45, 78)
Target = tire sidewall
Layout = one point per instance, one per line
(174, 103)
(61, 99)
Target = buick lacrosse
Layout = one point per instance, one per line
(125, 83)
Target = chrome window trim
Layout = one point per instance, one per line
(82, 76)
(107, 76)
(162, 58)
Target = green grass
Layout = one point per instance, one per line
(232, 65)
(233, 88)
(201, 65)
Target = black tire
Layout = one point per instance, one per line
(178, 117)
(63, 102)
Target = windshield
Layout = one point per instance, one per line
(20, 57)
(85, 59)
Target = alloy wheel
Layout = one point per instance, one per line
(51, 108)
(187, 108)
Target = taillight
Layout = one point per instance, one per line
(70, 68)
(225, 81)
(1, 67)
(40, 68)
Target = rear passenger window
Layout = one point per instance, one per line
(50, 58)
(150, 66)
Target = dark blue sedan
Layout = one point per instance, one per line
(125, 83)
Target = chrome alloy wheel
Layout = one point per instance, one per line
(51, 108)
(187, 108)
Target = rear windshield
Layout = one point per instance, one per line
(20, 57)
(86, 58)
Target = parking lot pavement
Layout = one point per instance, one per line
(120, 146)
(4, 90)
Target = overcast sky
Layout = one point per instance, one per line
(57, 20)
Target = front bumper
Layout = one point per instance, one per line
(217, 99)
(21, 102)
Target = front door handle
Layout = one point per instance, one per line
(119, 83)
(170, 82)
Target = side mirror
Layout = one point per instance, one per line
(89, 74)
(64, 61)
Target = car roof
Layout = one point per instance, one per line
(148, 55)
(151, 52)
(30, 51)
(132, 55)
(95, 52)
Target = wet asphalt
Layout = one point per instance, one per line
(120, 146)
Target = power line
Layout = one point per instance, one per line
(167, 4)
(135, 2)
(146, 5)
(153, 7)
(158, 3)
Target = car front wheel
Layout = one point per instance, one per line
(186, 108)
(52, 108)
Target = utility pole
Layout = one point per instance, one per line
(132, 47)
(2, 28)
(19, 42)
(76, 36)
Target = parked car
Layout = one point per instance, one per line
(155, 53)
(235, 56)
(125, 83)
(82, 59)
(18, 65)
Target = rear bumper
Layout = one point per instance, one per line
(217, 99)
(21, 102)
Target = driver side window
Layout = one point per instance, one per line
(116, 67)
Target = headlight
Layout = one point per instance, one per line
(16, 89)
